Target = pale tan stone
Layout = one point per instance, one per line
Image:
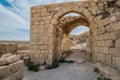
(16, 66)
(115, 51)
(117, 62)
(2, 62)
(18, 75)
(109, 43)
(6, 55)
(42, 68)
(108, 59)
(117, 43)
(4, 72)
(12, 59)
(118, 33)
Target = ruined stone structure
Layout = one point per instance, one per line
(48, 25)
(11, 67)
(13, 47)
(8, 48)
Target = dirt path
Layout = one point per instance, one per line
(66, 71)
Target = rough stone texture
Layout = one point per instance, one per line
(12, 69)
(15, 47)
(8, 48)
(108, 71)
(4, 60)
(102, 17)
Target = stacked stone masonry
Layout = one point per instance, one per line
(18, 47)
(11, 67)
(8, 48)
(102, 17)
(107, 39)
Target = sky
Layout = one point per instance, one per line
(15, 18)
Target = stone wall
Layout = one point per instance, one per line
(19, 47)
(8, 48)
(11, 68)
(107, 40)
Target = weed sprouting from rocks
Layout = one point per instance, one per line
(33, 67)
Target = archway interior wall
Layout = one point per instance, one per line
(104, 31)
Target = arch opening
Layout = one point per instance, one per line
(65, 25)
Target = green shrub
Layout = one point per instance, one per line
(96, 70)
(33, 67)
(99, 78)
(66, 61)
(103, 78)
(107, 79)
(54, 65)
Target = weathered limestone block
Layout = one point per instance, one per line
(100, 57)
(117, 62)
(105, 50)
(15, 76)
(109, 43)
(11, 67)
(6, 55)
(41, 58)
(109, 28)
(16, 66)
(102, 43)
(12, 59)
(18, 75)
(8, 59)
(42, 68)
(115, 51)
(2, 62)
(118, 33)
(8, 48)
(117, 43)
(108, 59)
(50, 59)
(4, 72)
(105, 36)
(86, 4)
(112, 35)
(116, 25)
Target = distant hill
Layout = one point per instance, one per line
(80, 38)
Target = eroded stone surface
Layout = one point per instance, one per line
(11, 67)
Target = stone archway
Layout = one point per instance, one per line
(102, 16)
(44, 20)
(85, 16)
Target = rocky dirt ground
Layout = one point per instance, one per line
(81, 69)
